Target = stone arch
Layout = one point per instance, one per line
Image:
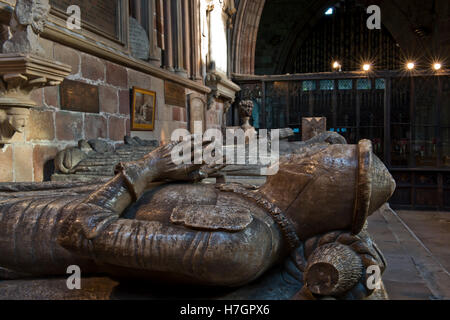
(245, 34)
(249, 15)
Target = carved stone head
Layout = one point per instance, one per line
(26, 24)
(246, 108)
(12, 120)
(33, 13)
(328, 188)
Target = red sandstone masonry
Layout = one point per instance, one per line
(69, 126)
(6, 164)
(51, 96)
(41, 126)
(139, 79)
(128, 127)
(116, 75)
(176, 114)
(124, 102)
(109, 100)
(68, 56)
(41, 156)
(95, 126)
(23, 163)
(92, 68)
(51, 129)
(37, 96)
(116, 128)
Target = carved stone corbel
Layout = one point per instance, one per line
(221, 87)
(22, 67)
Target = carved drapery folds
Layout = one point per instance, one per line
(22, 66)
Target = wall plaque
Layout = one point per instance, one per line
(79, 97)
(174, 94)
(99, 16)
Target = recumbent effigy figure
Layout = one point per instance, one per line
(312, 212)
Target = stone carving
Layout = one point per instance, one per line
(22, 69)
(246, 111)
(312, 127)
(26, 24)
(12, 120)
(221, 87)
(6, 13)
(216, 235)
(96, 159)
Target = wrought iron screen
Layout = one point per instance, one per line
(407, 118)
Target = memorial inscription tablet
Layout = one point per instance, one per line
(99, 16)
(79, 97)
(175, 94)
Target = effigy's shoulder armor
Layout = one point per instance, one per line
(212, 218)
(217, 210)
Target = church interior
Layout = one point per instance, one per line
(355, 97)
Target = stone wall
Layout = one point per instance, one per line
(29, 156)
(50, 129)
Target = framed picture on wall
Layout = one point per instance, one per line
(143, 110)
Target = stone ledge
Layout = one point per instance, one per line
(58, 34)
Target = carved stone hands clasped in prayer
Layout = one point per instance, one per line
(159, 166)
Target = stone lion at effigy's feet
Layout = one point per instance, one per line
(302, 234)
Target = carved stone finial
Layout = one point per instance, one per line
(26, 24)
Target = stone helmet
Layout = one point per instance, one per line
(330, 188)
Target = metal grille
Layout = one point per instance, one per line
(343, 36)
(406, 118)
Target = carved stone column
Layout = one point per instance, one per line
(186, 37)
(22, 68)
(179, 39)
(196, 41)
(155, 52)
(168, 49)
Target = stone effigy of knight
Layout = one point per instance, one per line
(155, 220)
(303, 234)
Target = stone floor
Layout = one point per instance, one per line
(416, 247)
